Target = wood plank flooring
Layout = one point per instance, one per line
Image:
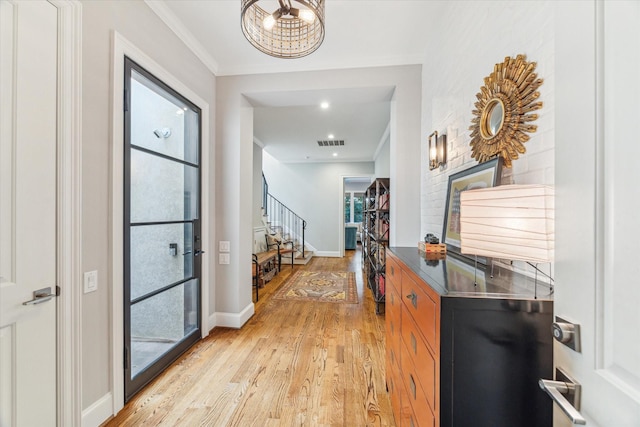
(294, 363)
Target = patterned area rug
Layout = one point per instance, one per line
(322, 286)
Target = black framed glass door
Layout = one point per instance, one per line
(162, 244)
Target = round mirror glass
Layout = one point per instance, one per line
(492, 119)
(496, 116)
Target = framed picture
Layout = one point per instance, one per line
(484, 175)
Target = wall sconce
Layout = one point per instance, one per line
(437, 150)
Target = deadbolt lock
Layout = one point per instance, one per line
(567, 333)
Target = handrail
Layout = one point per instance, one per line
(265, 193)
(282, 220)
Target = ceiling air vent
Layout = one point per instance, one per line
(331, 143)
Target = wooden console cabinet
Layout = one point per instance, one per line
(460, 354)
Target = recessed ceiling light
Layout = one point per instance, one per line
(330, 136)
(324, 105)
(335, 154)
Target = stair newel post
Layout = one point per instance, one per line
(304, 225)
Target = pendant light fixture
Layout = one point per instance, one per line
(287, 32)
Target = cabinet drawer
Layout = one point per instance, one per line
(422, 414)
(393, 273)
(423, 309)
(424, 362)
(393, 308)
(400, 403)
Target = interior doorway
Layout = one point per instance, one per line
(352, 194)
(162, 236)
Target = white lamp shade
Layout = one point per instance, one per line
(510, 221)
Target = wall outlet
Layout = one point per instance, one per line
(90, 281)
(224, 259)
(224, 246)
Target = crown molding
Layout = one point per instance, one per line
(176, 25)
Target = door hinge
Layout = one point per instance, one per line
(125, 101)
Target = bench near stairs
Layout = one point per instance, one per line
(269, 263)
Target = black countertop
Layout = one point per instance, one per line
(454, 277)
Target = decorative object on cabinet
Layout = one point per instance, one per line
(437, 150)
(288, 32)
(503, 111)
(431, 239)
(460, 356)
(484, 175)
(375, 238)
(513, 222)
(509, 221)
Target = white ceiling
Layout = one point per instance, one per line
(357, 34)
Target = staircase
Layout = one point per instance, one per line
(284, 225)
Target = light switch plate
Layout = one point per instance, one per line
(223, 259)
(90, 281)
(224, 246)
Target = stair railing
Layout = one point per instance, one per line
(282, 220)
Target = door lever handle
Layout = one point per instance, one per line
(40, 296)
(557, 391)
(197, 253)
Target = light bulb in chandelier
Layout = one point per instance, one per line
(270, 21)
(305, 14)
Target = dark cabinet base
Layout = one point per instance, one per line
(493, 351)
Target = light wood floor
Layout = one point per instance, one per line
(293, 364)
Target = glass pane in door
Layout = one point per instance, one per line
(162, 242)
(161, 255)
(162, 122)
(160, 322)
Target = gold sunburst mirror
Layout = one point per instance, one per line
(502, 118)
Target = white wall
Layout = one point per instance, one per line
(383, 160)
(257, 185)
(136, 22)
(483, 35)
(314, 191)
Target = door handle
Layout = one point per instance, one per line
(197, 253)
(566, 393)
(40, 296)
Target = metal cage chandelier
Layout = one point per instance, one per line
(288, 32)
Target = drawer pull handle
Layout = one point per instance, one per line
(412, 383)
(392, 272)
(414, 299)
(414, 344)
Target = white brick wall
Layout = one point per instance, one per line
(473, 37)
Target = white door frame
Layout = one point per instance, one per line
(69, 245)
(121, 47)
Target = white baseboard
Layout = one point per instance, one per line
(98, 412)
(232, 320)
(328, 254)
(212, 323)
(309, 246)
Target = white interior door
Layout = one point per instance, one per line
(597, 202)
(28, 105)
